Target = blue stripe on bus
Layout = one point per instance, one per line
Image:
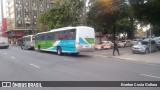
(66, 45)
(81, 41)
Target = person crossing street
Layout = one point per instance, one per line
(115, 48)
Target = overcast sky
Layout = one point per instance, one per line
(4, 8)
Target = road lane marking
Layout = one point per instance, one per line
(70, 60)
(150, 76)
(5, 53)
(13, 57)
(34, 65)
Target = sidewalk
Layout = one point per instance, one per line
(126, 54)
(147, 58)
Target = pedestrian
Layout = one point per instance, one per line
(115, 48)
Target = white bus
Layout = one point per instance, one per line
(4, 42)
(66, 40)
(28, 42)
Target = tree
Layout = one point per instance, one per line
(107, 16)
(147, 12)
(42, 23)
(62, 15)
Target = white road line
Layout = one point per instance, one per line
(34, 65)
(13, 57)
(150, 76)
(70, 60)
(5, 53)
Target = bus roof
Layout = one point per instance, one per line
(64, 28)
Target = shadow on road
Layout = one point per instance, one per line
(65, 54)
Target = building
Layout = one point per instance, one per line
(22, 16)
(4, 27)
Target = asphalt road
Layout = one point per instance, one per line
(29, 65)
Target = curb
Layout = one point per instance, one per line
(136, 61)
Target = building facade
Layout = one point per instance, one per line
(3, 28)
(22, 17)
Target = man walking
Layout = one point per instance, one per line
(115, 48)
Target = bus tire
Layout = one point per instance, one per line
(21, 47)
(59, 51)
(39, 48)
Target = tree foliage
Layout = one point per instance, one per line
(104, 13)
(147, 12)
(61, 15)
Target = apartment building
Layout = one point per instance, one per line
(22, 17)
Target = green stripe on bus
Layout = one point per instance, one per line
(90, 40)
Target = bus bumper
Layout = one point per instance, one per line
(86, 50)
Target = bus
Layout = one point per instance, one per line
(4, 42)
(71, 40)
(28, 42)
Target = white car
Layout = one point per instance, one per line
(104, 45)
(157, 39)
(125, 43)
(4, 42)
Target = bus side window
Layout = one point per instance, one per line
(47, 36)
(42, 37)
(61, 35)
(67, 35)
(53, 36)
(72, 34)
(39, 38)
(56, 35)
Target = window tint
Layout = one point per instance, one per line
(153, 42)
(143, 43)
(62, 35)
(27, 38)
(56, 35)
(53, 36)
(47, 36)
(71, 34)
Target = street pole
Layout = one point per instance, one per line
(114, 31)
(150, 40)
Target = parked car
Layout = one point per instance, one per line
(135, 41)
(125, 43)
(145, 46)
(157, 39)
(104, 45)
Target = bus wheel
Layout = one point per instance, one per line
(59, 51)
(39, 48)
(21, 47)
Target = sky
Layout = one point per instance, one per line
(4, 9)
